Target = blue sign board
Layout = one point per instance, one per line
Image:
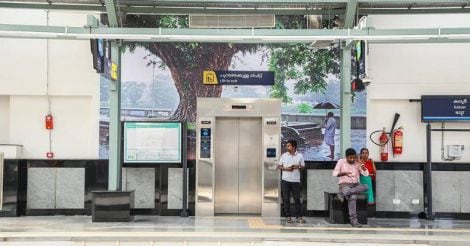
(238, 78)
(445, 108)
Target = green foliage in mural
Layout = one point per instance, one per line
(305, 108)
(309, 67)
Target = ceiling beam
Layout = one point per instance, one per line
(351, 9)
(285, 2)
(437, 35)
(424, 41)
(364, 9)
(229, 11)
(397, 11)
(415, 1)
(175, 10)
(73, 7)
(113, 17)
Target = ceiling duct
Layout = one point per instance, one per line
(316, 22)
(231, 21)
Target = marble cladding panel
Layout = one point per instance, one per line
(70, 188)
(41, 188)
(385, 190)
(409, 187)
(465, 192)
(142, 181)
(446, 191)
(175, 188)
(318, 182)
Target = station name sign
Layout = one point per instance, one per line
(445, 108)
(238, 78)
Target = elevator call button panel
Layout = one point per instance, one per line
(271, 153)
(205, 143)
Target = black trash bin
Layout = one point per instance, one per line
(112, 206)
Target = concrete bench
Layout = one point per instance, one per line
(338, 212)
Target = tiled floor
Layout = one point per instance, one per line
(155, 230)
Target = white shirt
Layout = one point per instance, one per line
(288, 160)
(330, 128)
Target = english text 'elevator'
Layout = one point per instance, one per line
(238, 144)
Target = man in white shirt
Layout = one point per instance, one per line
(330, 128)
(290, 164)
(349, 170)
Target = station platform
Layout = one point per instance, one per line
(248, 231)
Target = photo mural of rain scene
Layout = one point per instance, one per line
(161, 81)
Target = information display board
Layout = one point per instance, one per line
(152, 142)
(445, 108)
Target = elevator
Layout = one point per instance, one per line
(237, 150)
(238, 170)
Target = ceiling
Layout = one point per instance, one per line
(314, 7)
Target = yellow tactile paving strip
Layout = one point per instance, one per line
(258, 223)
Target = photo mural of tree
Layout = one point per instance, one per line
(187, 61)
(166, 78)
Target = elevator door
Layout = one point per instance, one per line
(238, 166)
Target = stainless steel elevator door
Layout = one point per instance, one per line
(238, 150)
(226, 166)
(249, 166)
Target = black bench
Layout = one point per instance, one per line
(338, 212)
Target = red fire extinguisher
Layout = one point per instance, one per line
(49, 122)
(398, 141)
(383, 146)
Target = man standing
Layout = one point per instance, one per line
(290, 164)
(330, 128)
(348, 171)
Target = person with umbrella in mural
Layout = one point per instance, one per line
(330, 126)
(330, 129)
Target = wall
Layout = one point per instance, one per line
(406, 71)
(30, 68)
(4, 121)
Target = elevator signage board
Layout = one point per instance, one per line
(238, 78)
(152, 142)
(445, 108)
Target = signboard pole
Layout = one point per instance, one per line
(184, 161)
(114, 176)
(345, 117)
(428, 174)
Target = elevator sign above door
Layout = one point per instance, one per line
(445, 108)
(238, 78)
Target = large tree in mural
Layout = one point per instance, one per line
(187, 61)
